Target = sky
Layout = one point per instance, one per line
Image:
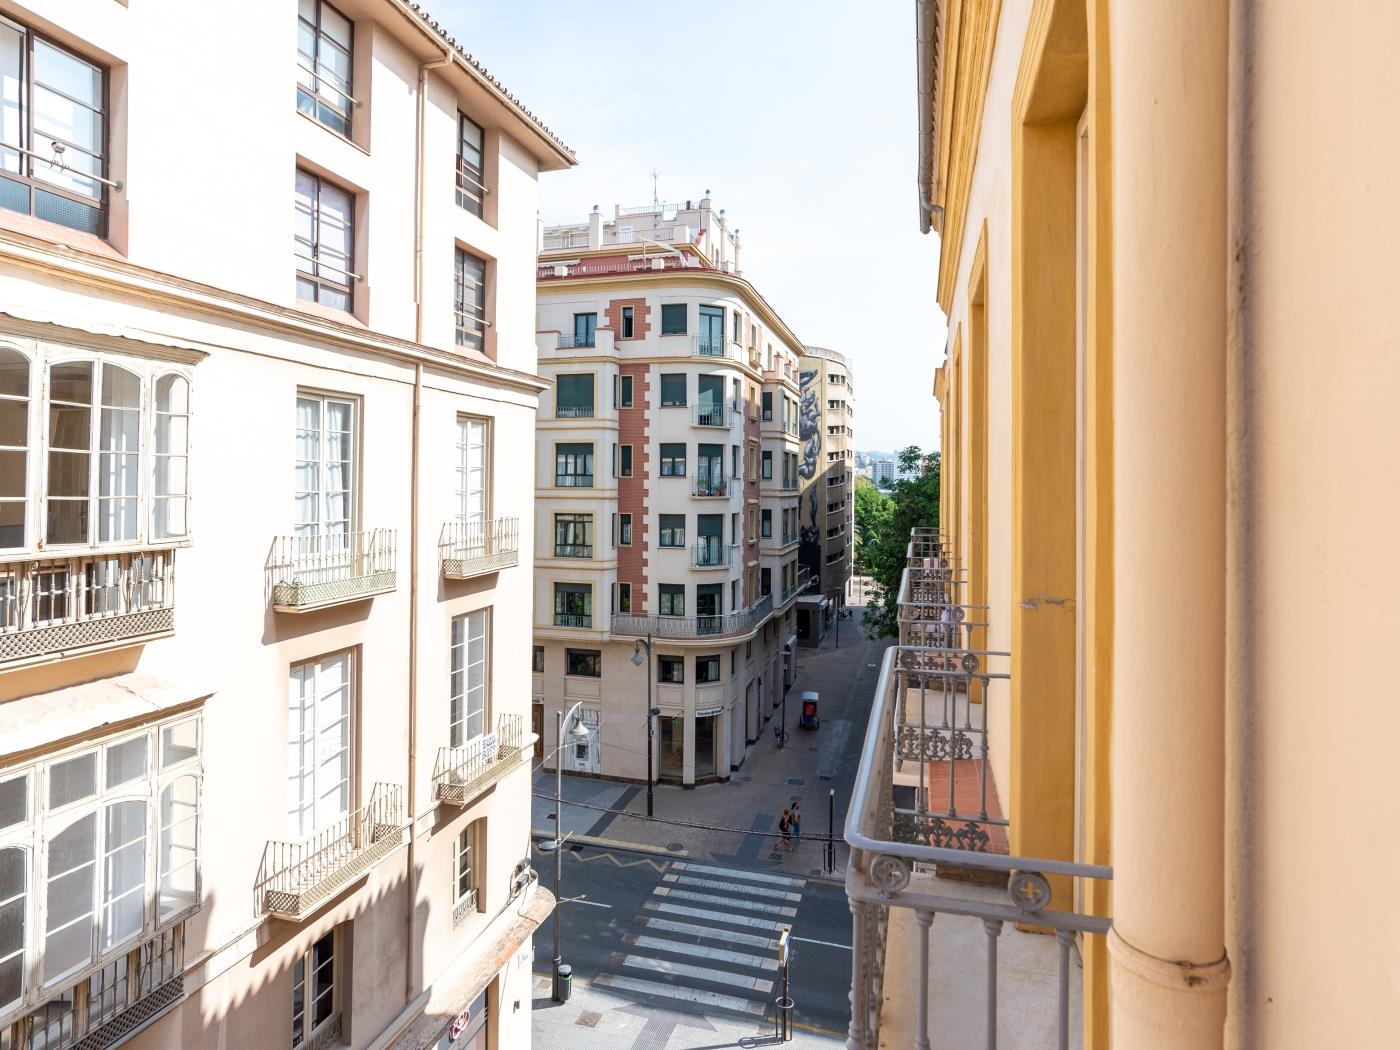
(799, 117)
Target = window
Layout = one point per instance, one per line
(54, 109)
(325, 43)
(738, 327)
(325, 473)
(469, 299)
(624, 530)
(573, 466)
(573, 396)
(325, 242)
(673, 318)
(627, 322)
(171, 505)
(673, 390)
(573, 605)
(319, 706)
(585, 329)
(765, 581)
(706, 669)
(624, 461)
(767, 465)
(767, 405)
(465, 874)
(471, 187)
(766, 523)
(315, 998)
(537, 660)
(672, 599)
(712, 331)
(573, 535)
(672, 460)
(626, 397)
(471, 470)
(624, 597)
(670, 669)
(586, 663)
(467, 717)
(673, 530)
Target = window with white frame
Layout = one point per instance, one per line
(320, 704)
(316, 991)
(466, 877)
(97, 853)
(471, 469)
(325, 46)
(325, 242)
(468, 685)
(325, 472)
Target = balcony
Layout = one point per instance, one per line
(546, 271)
(743, 622)
(709, 346)
(711, 483)
(711, 415)
(573, 481)
(563, 619)
(57, 606)
(712, 555)
(463, 773)
(475, 548)
(573, 550)
(573, 411)
(579, 341)
(296, 878)
(317, 571)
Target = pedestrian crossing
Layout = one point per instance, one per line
(707, 935)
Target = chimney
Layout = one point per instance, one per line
(595, 229)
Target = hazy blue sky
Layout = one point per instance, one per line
(797, 115)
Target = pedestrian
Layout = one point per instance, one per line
(795, 822)
(785, 829)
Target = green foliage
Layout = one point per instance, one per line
(912, 503)
(872, 510)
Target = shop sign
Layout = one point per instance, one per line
(707, 712)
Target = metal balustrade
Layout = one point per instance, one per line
(711, 415)
(563, 619)
(577, 342)
(463, 773)
(295, 878)
(59, 605)
(711, 483)
(315, 571)
(573, 412)
(718, 625)
(712, 555)
(475, 548)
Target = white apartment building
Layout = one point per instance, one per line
(264, 569)
(828, 487)
(666, 505)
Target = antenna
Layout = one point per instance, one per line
(655, 207)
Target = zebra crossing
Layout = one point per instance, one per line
(707, 935)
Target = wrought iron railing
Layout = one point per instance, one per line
(463, 773)
(711, 555)
(297, 877)
(573, 481)
(573, 550)
(577, 342)
(704, 626)
(573, 411)
(711, 414)
(60, 605)
(474, 548)
(313, 571)
(709, 483)
(564, 619)
(709, 346)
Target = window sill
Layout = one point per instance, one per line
(306, 306)
(56, 233)
(331, 132)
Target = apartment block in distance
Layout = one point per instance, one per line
(827, 472)
(264, 583)
(666, 507)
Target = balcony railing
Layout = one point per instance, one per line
(563, 619)
(312, 572)
(712, 483)
(546, 270)
(578, 342)
(711, 415)
(63, 605)
(573, 550)
(705, 626)
(474, 548)
(297, 877)
(573, 481)
(714, 555)
(573, 411)
(463, 773)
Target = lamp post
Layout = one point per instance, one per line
(652, 712)
(578, 732)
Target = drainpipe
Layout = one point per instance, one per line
(412, 897)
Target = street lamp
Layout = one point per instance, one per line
(578, 733)
(637, 661)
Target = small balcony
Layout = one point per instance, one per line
(475, 548)
(574, 619)
(719, 625)
(578, 341)
(317, 571)
(709, 483)
(709, 346)
(711, 415)
(573, 550)
(463, 773)
(57, 606)
(574, 411)
(712, 554)
(296, 878)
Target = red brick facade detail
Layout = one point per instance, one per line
(632, 430)
(641, 317)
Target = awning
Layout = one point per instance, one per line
(47, 721)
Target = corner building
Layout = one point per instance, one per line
(263, 570)
(666, 507)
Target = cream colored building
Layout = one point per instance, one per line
(1168, 445)
(827, 472)
(666, 506)
(264, 582)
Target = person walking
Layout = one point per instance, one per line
(795, 822)
(785, 829)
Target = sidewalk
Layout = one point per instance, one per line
(813, 763)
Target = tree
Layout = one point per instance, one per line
(872, 511)
(913, 503)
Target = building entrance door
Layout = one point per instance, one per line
(671, 764)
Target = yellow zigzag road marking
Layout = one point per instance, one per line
(659, 865)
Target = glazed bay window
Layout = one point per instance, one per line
(53, 136)
(573, 396)
(325, 242)
(471, 185)
(573, 605)
(469, 299)
(466, 873)
(672, 599)
(325, 44)
(316, 992)
(573, 465)
(672, 460)
(672, 530)
(573, 535)
(467, 700)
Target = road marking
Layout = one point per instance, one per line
(671, 926)
(829, 944)
(733, 887)
(695, 973)
(701, 951)
(580, 900)
(716, 916)
(736, 873)
(690, 995)
(730, 902)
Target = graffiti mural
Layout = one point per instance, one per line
(810, 433)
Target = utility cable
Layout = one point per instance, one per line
(674, 823)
